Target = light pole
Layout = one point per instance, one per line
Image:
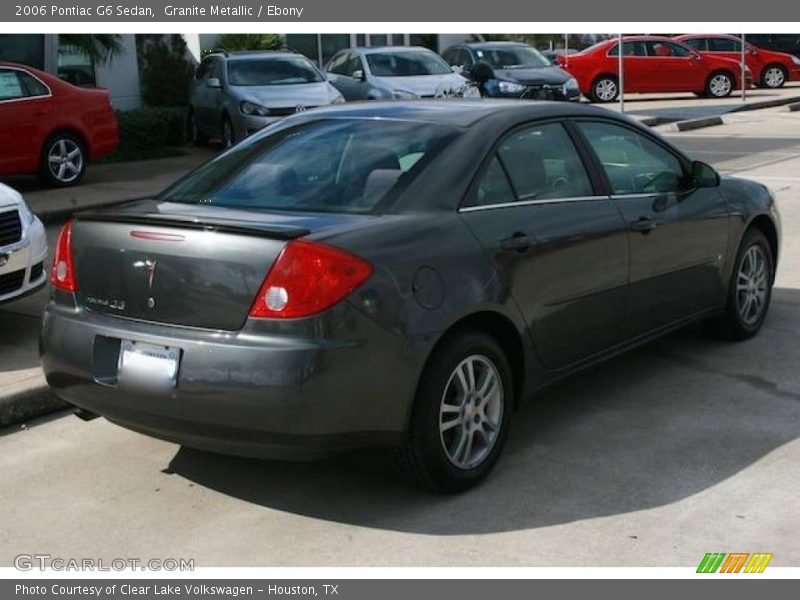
(743, 67)
(620, 75)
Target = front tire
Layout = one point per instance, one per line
(773, 76)
(63, 160)
(719, 85)
(461, 414)
(604, 89)
(750, 289)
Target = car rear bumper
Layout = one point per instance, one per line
(245, 393)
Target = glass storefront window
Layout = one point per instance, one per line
(306, 44)
(428, 40)
(378, 39)
(75, 66)
(332, 43)
(26, 49)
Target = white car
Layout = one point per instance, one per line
(23, 247)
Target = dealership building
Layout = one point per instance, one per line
(121, 74)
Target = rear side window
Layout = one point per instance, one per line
(633, 163)
(32, 86)
(534, 163)
(724, 45)
(327, 165)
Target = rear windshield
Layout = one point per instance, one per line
(273, 71)
(328, 165)
(407, 64)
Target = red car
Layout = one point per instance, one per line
(651, 64)
(50, 126)
(770, 69)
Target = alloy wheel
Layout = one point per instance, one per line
(752, 284)
(774, 77)
(471, 412)
(65, 160)
(720, 85)
(606, 89)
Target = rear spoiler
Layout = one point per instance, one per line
(252, 228)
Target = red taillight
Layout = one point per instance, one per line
(62, 275)
(306, 279)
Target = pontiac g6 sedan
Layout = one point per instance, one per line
(398, 274)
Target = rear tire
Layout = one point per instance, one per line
(720, 85)
(773, 77)
(604, 89)
(459, 422)
(228, 132)
(197, 137)
(63, 160)
(750, 290)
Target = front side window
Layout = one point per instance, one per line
(629, 49)
(406, 64)
(272, 71)
(633, 163)
(666, 50)
(327, 165)
(698, 44)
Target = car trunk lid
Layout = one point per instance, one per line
(189, 265)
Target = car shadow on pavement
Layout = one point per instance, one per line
(646, 429)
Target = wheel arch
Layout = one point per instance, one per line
(500, 327)
(765, 225)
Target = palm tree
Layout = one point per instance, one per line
(100, 47)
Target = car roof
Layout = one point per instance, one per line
(255, 54)
(462, 112)
(374, 49)
(497, 44)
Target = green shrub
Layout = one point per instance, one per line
(150, 132)
(165, 71)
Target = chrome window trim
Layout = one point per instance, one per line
(49, 93)
(466, 209)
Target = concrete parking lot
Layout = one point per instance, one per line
(683, 447)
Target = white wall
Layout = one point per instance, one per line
(120, 76)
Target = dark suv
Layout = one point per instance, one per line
(512, 70)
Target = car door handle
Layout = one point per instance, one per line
(643, 225)
(517, 242)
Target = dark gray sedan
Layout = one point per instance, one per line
(398, 274)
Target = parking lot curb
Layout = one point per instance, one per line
(23, 406)
(766, 104)
(691, 124)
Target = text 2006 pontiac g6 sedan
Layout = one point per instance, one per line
(398, 274)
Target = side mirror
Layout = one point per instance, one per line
(481, 73)
(456, 69)
(358, 74)
(696, 56)
(704, 176)
(214, 83)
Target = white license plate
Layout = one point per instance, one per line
(147, 366)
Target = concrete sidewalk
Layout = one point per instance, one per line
(106, 184)
(23, 393)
